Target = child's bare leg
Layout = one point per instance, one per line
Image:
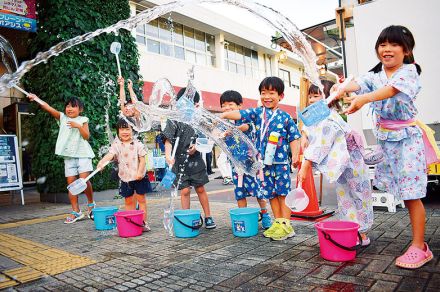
(73, 199)
(185, 198)
(242, 203)
(88, 191)
(142, 204)
(285, 211)
(276, 208)
(262, 203)
(417, 217)
(130, 203)
(203, 199)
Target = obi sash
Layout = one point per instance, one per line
(432, 153)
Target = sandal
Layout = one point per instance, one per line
(77, 216)
(90, 211)
(414, 257)
(365, 242)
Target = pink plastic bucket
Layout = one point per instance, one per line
(130, 223)
(337, 240)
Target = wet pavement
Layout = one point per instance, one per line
(76, 257)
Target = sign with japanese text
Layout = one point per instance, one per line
(18, 14)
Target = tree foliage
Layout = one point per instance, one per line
(87, 71)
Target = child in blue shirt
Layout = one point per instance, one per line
(245, 185)
(267, 119)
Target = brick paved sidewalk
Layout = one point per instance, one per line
(216, 260)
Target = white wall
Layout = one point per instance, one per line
(421, 18)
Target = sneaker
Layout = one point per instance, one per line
(266, 221)
(76, 217)
(146, 227)
(209, 223)
(283, 232)
(227, 181)
(268, 233)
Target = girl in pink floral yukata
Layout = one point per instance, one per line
(391, 87)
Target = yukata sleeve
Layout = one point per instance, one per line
(249, 115)
(292, 131)
(326, 145)
(406, 80)
(365, 82)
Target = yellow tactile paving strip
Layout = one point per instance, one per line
(38, 260)
(6, 282)
(32, 221)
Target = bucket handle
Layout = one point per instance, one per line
(188, 226)
(351, 248)
(134, 223)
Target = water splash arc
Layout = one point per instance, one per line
(281, 23)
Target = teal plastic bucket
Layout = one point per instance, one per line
(187, 223)
(104, 217)
(244, 221)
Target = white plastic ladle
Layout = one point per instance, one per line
(297, 200)
(27, 94)
(115, 48)
(79, 185)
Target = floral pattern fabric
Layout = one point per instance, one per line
(403, 171)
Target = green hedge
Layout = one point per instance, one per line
(87, 71)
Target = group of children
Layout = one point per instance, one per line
(330, 146)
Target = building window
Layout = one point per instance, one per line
(285, 76)
(241, 60)
(185, 43)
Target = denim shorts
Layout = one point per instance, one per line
(141, 187)
(75, 166)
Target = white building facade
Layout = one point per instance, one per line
(226, 56)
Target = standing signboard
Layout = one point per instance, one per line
(18, 14)
(10, 170)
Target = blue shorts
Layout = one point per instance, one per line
(75, 166)
(141, 187)
(250, 188)
(276, 181)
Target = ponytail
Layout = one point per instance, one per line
(377, 68)
(409, 59)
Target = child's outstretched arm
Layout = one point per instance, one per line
(244, 127)
(233, 115)
(358, 101)
(45, 106)
(122, 97)
(131, 91)
(104, 160)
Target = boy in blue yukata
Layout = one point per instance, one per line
(276, 181)
(245, 185)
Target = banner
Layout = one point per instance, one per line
(18, 14)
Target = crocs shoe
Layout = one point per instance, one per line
(283, 232)
(266, 221)
(76, 217)
(374, 157)
(414, 257)
(268, 233)
(209, 223)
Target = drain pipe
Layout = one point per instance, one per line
(342, 27)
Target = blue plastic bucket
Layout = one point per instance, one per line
(104, 217)
(244, 221)
(187, 223)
